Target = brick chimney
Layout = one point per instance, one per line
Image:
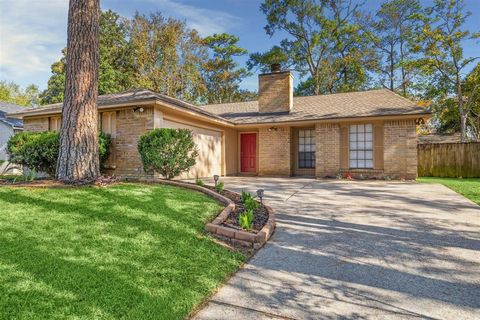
(275, 91)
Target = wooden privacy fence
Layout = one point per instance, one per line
(449, 160)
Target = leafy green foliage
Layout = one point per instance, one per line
(263, 61)
(245, 219)
(393, 31)
(115, 69)
(245, 196)
(250, 204)
(324, 43)
(91, 248)
(219, 186)
(168, 152)
(443, 56)
(39, 150)
(199, 182)
(221, 72)
(13, 93)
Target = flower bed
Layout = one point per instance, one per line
(226, 225)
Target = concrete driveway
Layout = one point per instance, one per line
(358, 250)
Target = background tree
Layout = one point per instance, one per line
(221, 72)
(115, 68)
(324, 42)
(393, 31)
(263, 61)
(441, 45)
(167, 57)
(78, 159)
(13, 93)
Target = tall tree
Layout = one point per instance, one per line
(324, 42)
(78, 159)
(115, 68)
(393, 31)
(263, 60)
(221, 72)
(168, 57)
(12, 92)
(441, 43)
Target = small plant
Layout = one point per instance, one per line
(199, 182)
(245, 219)
(250, 204)
(245, 196)
(219, 186)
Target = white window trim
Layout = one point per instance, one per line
(372, 150)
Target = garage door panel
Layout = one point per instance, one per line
(209, 144)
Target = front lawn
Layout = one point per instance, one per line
(469, 188)
(127, 251)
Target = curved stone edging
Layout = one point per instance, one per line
(237, 236)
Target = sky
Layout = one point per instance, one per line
(33, 32)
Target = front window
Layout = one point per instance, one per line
(361, 146)
(306, 149)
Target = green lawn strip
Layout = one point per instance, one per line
(127, 251)
(468, 187)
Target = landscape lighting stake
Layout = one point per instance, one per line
(215, 178)
(260, 193)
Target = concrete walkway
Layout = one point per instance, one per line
(358, 250)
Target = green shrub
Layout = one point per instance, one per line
(250, 204)
(219, 186)
(38, 151)
(199, 182)
(245, 219)
(168, 152)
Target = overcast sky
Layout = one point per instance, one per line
(33, 32)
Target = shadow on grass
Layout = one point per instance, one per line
(127, 251)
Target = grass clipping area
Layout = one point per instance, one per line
(468, 187)
(126, 251)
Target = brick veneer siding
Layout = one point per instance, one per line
(275, 93)
(274, 148)
(130, 126)
(400, 149)
(36, 124)
(327, 153)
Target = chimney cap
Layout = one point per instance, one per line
(275, 67)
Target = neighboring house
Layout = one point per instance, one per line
(372, 133)
(8, 126)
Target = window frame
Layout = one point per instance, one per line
(361, 149)
(306, 160)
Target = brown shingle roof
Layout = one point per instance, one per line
(130, 96)
(333, 106)
(380, 102)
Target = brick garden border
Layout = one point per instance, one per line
(244, 238)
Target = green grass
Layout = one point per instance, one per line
(128, 251)
(468, 187)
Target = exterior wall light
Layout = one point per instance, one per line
(138, 109)
(260, 193)
(272, 129)
(215, 178)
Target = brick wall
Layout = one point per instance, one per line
(327, 141)
(274, 151)
(275, 93)
(400, 149)
(130, 126)
(35, 124)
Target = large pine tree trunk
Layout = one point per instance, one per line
(78, 157)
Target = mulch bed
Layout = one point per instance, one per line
(260, 216)
(51, 183)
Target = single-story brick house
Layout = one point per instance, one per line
(371, 133)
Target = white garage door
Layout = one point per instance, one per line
(209, 144)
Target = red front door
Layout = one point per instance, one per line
(248, 152)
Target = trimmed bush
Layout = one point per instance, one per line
(168, 152)
(39, 150)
